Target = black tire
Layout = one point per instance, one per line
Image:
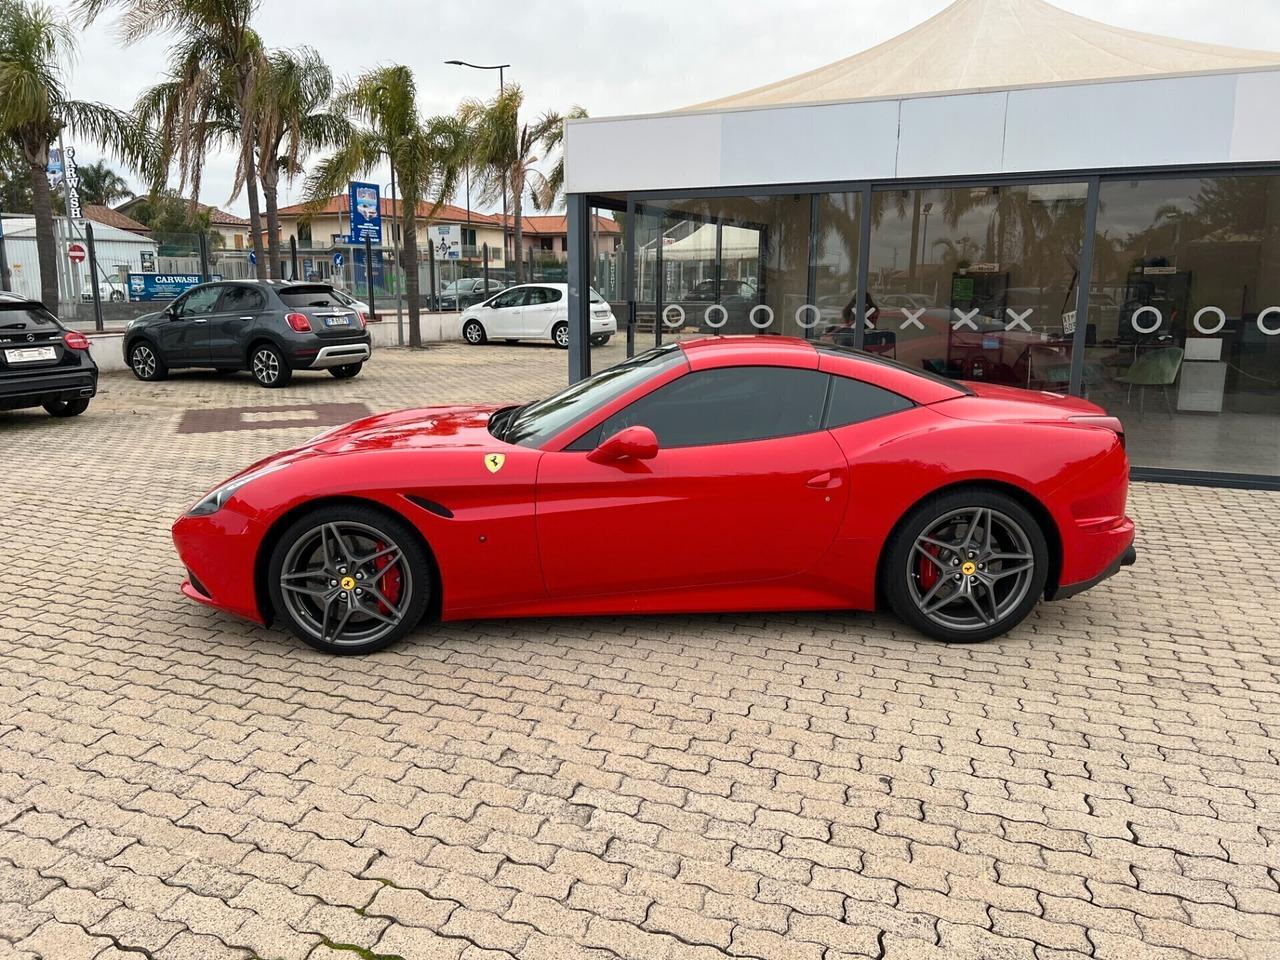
(360, 529)
(269, 366)
(116, 296)
(347, 370)
(954, 579)
(66, 408)
(473, 333)
(599, 339)
(145, 361)
(560, 335)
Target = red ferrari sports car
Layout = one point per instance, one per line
(727, 473)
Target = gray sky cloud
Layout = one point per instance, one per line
(611, 58)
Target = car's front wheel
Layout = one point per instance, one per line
(347, 370)
(66, 408)
(560, 335)
(966, 566)
(349, 579)
(146, 363)
(269, 366)
(473, 333)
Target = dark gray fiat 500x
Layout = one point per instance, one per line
(269, 328)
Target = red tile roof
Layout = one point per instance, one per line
(113, 218)
(426, 211)
(556, 224)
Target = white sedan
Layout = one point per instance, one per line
(534, 311)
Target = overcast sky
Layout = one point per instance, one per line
(611, 57)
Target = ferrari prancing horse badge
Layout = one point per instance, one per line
(493, 461)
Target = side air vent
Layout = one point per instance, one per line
(439, 509)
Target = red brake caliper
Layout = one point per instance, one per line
(927, 569)
(390, 583)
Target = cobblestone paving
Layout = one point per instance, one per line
(175, 783)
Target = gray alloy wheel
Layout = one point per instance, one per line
(349, 579)
(967, 566)
(269, 367)
(560, 335)
(145, 363)
(473, 332)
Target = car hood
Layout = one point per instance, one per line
(422, 428)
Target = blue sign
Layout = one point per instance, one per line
(163, 286)
(365, 213)
(253, 259)
(339, 260)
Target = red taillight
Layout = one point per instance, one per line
(299, 322)
(76, 341)
(360, 319)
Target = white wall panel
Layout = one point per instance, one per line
(1255, 134)
(642, 153)
(1127, 124)
(952, 136)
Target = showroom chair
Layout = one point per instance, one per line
(1157, 368)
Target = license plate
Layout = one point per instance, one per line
(337, 321)
(30, 355)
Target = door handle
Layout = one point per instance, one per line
(246, 318)
(202, 320)
(824, 481)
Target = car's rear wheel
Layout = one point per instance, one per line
(146, 363)
(347, 370)
(473, 333)
(966, 566)
(560, 335)
(66, 408)
(599, 339)
(269, 366)
(349, 579)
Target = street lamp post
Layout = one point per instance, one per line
(502, 85)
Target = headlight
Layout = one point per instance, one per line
(216, 499)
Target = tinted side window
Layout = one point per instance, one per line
(200, 301)
(512, 298)
(853, 401)
(730, 405)
(551, 295)
(537, 296)
(244, 299)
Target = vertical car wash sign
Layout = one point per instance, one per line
(365, 213)
(62, 169)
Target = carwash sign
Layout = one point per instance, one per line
(365, 213)
(163, 286)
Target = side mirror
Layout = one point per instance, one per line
(630, 443)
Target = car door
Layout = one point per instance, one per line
(184, 337)
(232, 322)
(540, 311)
(746, 486)
(503, 317)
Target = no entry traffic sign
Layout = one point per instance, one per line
(76, 252)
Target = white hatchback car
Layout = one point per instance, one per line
(534, 311)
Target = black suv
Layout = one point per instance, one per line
(42, 364)
(268, 328)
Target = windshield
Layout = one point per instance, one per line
(540, 421)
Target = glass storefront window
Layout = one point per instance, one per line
(839, 232)
(1183, 335)
(977, 283)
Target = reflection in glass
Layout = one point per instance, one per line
(1182, 342)
(977, 283)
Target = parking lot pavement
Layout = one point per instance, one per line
(175, 783)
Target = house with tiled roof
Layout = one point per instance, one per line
(233, 229)
(546, 236)
(325, 230)
(114, 218)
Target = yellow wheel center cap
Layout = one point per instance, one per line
(349, 583)
(969, 568)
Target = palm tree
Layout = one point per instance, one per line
(506, 154)
(101, 185)
(35, 44)
(426, 156)
(293, 120)
(215, 64)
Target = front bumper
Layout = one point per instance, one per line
(220, 554)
